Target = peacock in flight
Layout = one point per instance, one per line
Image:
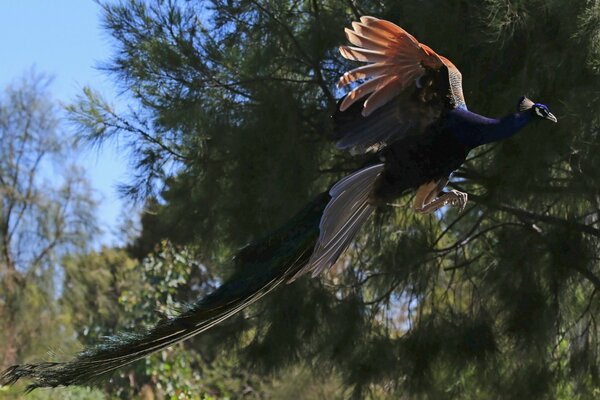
(409, 111)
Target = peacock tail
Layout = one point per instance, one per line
(262, 266)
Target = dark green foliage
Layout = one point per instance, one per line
(229, 131)
(129, 296)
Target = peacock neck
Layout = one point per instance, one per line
(475, 130)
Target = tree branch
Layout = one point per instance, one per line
(528, 215)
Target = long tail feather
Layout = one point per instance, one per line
(266, 264)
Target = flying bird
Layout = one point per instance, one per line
(407, 109)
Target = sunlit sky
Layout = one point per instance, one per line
(63, 38)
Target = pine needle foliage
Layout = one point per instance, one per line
(229, 132)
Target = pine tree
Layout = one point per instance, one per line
(230, 133)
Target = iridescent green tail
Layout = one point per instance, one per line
(263, 266)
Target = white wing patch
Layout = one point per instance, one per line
(345, 213)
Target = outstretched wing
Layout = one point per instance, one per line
(345, 214)
(405, 86)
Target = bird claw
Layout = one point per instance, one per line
(452, 198)
(458, 199)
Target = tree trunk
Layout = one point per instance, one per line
(12, 287)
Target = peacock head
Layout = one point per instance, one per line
(537, 109)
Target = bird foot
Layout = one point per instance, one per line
(457, 199)
(453, 198)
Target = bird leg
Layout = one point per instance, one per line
(429, 199)
(453, 198)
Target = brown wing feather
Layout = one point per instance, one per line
(364, 55)
(366, 88)
(397, 60)
(371, 32)
(382, 95)
(370, 43)
(366, 71)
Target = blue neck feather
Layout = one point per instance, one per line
(475, 130)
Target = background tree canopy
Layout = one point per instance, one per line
(229, 131)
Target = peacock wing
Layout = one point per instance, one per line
(405, 86)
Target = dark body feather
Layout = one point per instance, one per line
(417, 159)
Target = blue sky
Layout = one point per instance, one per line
(63, 38)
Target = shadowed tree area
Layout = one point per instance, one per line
(230, 136)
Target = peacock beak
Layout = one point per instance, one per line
(551, 117)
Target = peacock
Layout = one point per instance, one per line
(408, 115)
